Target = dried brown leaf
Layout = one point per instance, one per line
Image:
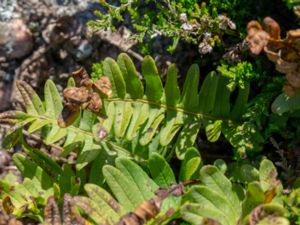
(294, 79)
(7, 205)
(51, 213)
(272, 28)
(285, 67)
(257, 40)
(103, 85)
(94, 104)
(289, 90)
(82, 78)
(272, 56)
(256, 215)
(14, 222)
(149, 209)
(253, 25)
(76, 95)
(68, 115)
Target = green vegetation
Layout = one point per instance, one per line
(129, 145)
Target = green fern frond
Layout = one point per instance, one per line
(173, 115)
(41, 118)
(28, 197)
(219, 199)
(132, 189)
(212, 196)
(139, 119)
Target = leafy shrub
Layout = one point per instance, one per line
(183, 19)
(239, 75)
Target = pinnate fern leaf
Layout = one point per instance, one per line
(135, 196)
(166, 111)
(139, 118)
(214, 199)
(41, 118)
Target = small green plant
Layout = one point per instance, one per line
(124, 145)
(138, 122)
(153, 195)
(111, 155)
(239, 75)
(186, 20)
(292, 3)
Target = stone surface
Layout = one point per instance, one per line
(15, 40)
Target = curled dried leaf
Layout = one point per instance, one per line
(285, 53)
(289, 90)
(76, 95)
(7, 205)
(285, 67)
(272, 56)
(293, 37)
(272, 28)
(82, 78)
(253, 25)
(260, 36)
(51, 213)
(76, 98)
(83, 96)
(294, 79)
(151, 208)
(289, 54)
(68, 115)
(256, 215)
(103, 85)
(257, 40)
(94, 104)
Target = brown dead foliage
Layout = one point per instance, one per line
(285, 53)
(85, 95)
(149, 209)
(70, 216)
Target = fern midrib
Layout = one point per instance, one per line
(177, 109)
(81, 131)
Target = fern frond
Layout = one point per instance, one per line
(135, 196)
(41, 118)
(138, 199)
(26, 198)
(173, 115)
(139, 119)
